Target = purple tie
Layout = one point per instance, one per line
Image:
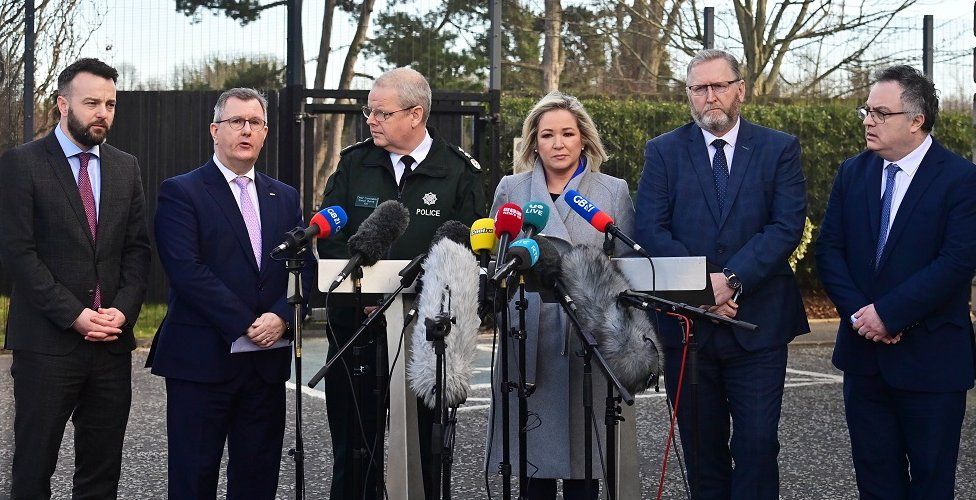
(251, 219)
(88, 200)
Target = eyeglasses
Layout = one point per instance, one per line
(877, 116)
(718, 88)
(382, 116)
(237, 123)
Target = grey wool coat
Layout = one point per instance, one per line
(556, 417)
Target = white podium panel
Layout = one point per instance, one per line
(404, 480)
(671, 274)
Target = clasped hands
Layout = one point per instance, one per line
(266, 330)
(724, 305)
(868, 324)
(103, 325)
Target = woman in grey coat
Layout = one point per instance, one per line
(560, 150)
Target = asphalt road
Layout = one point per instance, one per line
(814, 461)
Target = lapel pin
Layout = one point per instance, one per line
(270, 193)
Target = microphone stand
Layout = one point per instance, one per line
(649, 302)
(438, 329)
(524, 390)
(294, 264)
(359, 474)
(505, 467)
(591, 351)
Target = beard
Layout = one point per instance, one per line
(716, 123)
(84, 133)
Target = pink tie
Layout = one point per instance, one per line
(88, 200)
(251, 219)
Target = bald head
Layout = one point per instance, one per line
(409, 85)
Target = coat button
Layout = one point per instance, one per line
(720, 250)
(91, 292)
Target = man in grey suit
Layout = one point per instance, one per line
(74, 243)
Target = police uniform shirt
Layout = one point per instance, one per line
(418, 154)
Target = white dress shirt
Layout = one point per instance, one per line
(730, 137)
(418, 154)
(252, 190)
(909, 165)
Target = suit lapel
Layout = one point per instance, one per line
(558, 210)
(740, 165)
(219, 189)
(698, 157)
(268, 207)
(62, 171)
(927, 171)
(109, 216)
(873, 182)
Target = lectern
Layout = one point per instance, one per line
(404, 479)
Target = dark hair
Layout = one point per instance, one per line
(85, 65)
(918, 93)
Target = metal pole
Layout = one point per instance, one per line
(29, 36)
(928, 46)
(294, 61)
(709, 34)
(495, 90)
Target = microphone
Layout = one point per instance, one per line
(508, 224)
(626, 337)
(374, 238)
(522, 255)
(599, 219)
(451, 265)
(324, 224)
(536, 218)
(483, 243)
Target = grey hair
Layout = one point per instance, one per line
(410, 86)
(244, 94)
(918, 93)
(706, 55)
(525, 154)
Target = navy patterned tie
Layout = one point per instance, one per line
(890, 172)
(720, 171)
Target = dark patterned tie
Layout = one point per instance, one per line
(88, 201)
(720, 171)
(890, 172)
(407, 162)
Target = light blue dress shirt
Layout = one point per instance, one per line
(71, 151)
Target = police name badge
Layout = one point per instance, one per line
(367, 201)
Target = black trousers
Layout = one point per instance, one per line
(91, 386)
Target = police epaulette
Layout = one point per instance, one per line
(465, 156)
(357, 145)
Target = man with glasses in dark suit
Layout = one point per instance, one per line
(896, 255)
(74, 243)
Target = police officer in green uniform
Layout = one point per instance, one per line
(405, 161)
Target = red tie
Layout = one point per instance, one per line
(88, 200)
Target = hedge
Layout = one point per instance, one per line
(829, 132)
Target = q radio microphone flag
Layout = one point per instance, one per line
(375, 236)
(450, 265)
(599, 219)
(626, 337)
(536, 217)
(324, 224)
(522, 255)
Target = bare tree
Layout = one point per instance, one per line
(769, 31)
(646, 29)
(57, 42)
(552, 53)
(337, 121)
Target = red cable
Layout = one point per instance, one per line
(677, 399)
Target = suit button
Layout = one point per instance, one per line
(91, 292)
(720, 250)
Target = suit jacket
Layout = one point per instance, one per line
(48, 251)
(921, 287)
(216, 288)
(678, 215)
(550, 346)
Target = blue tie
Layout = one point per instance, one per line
(889, 193)
(720, 171)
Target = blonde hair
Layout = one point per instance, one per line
(525, 154)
